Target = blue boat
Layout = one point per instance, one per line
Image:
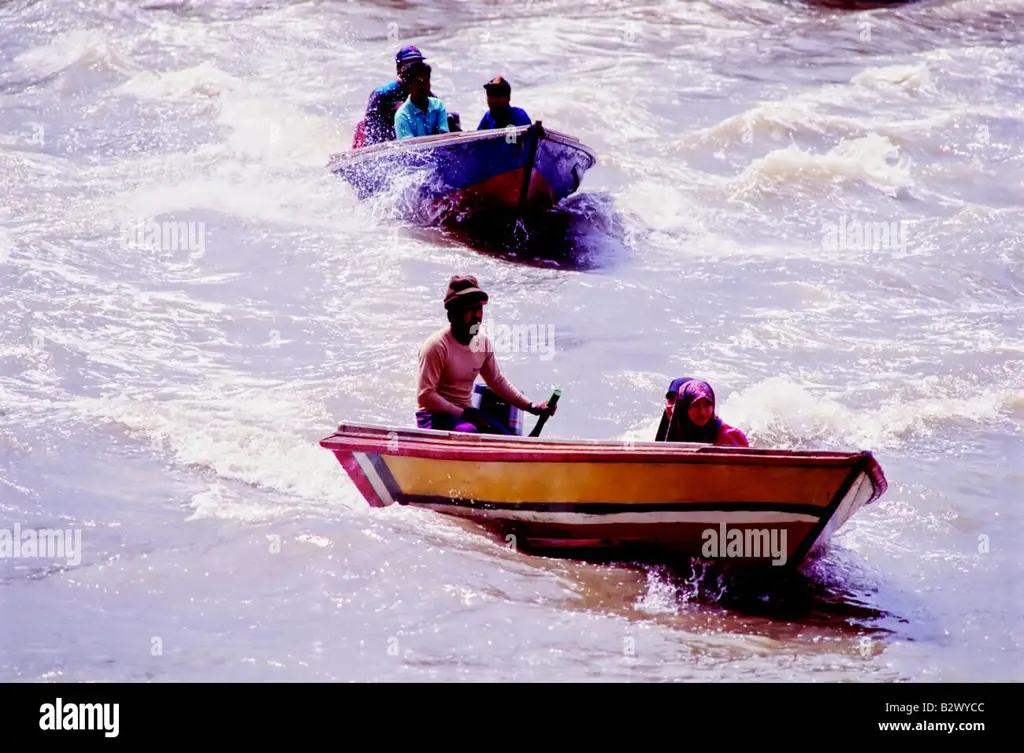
(524, 170)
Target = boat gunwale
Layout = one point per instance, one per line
(442, 454)
(443, 445)
(423, 143)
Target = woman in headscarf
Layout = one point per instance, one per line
(690, 416)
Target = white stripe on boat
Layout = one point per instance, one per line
(374, 478)
(703, 516)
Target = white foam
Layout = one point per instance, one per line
(778, 122)
(80, 47)
(662, 207)
(868, 159)
(220, 504)
(204, 80)
(896, 78)
(781, 413)
(6, 244)
(267, 128)
(259, 435)
(1015, 401)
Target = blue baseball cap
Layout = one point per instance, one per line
(409, 55)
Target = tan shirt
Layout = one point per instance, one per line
(448, 370)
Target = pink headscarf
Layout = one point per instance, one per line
(681, 428)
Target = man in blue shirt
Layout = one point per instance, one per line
(385, 100)
(500, 113)
(378, 125)
(421, 115)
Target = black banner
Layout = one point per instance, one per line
(129, 714)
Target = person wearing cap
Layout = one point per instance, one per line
(378, 125)
(385, 100)
(422, 114)
(689, 416)
(450, 361)
(500, 114)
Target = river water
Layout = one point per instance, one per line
(167, 403)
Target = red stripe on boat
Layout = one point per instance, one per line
(362, 483)
(440, 450)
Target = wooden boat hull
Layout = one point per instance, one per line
(527, 168)
(669, 502)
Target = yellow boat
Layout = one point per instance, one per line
(659, 501)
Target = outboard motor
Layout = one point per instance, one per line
(488, 403)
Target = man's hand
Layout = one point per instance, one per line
(540, 410)
(475, 417)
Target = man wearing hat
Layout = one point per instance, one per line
(500, 113)
(379, 123)
(452, 358)
(385, 100)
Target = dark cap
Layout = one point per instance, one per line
(409, 55)
(498, 84)
(463, 288)
(673, 389)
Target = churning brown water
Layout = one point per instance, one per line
(167, 402)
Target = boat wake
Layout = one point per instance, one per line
(584, 233)
(832, 587)
(827, 591)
